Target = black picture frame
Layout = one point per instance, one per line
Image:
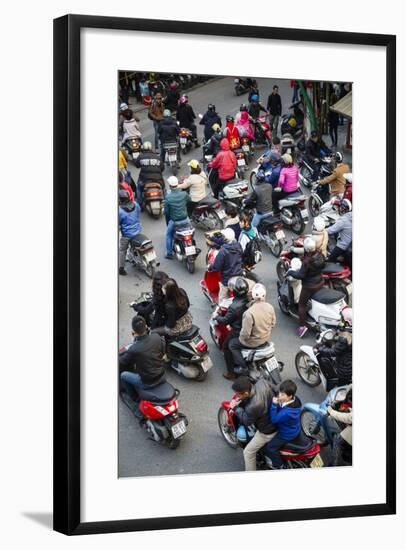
(67, 225)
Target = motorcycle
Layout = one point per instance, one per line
(247, 148)
(324, 307)
(242, 85)
(270, 231)
(293, 123)
(318, 424)
(184, 246)
(158, 411)
(208, 214)
(185, 140)
(307, 174)
(320, 203)
(336, 276)
(171, 155)
(242, 165)
(132, 148)
(262, 130)
(142, 255)
(153, 198)
(293, 212)
(303, 452)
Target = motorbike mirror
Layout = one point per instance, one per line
(200, 115)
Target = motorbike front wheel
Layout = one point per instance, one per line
(307, 370)
(149, 268)
(314, 205)
(312, 428)
(253, 179)
(274, 245)
(298, 223)
(305, 177)
(282, 268)
(228, 432)
(214, 220)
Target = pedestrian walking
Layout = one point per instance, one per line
(274, 107)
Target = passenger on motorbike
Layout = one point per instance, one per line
(243, 108)
(151, 166)
(257, 324)
(320, 236)
(244, 126)
(186, 117)
(310, 274)
(168, 133)
(251, 407)
(231, 133)
(131, 127)
(276, 145)
(196, 183)
(130, 225)
(337, 180)
(232, 219)
(260, 198)
(153, 310)
(175, 210)
(145, 356)
(342, 448)
(178, 318)
(343, 228)
(315, 148)
(228, 261)
(224, 164)
(341, 352)
(288, 180)
(212, 147)
(208, 120)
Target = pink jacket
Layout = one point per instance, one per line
(289, 179)
(244, 126)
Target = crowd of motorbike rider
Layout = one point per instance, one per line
(249, 315)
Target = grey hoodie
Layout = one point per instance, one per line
(343, 227)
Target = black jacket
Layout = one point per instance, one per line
(260, 198)
(151, 166)
(274, 104)
(310, 272)
(168, 130)
(254, 110)
(312, 149)
(208, 120)
(185, 115)
(171, 100)
(255, 409)
(212, 147)
(145, 356)
(228, 261)
(233, 316)
(173, 312)
(341, 351)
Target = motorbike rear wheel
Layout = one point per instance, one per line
(282, 268)
(173, 443)
(201, 376)
(228, 433)
(314, 205)
(298, 223)
(190, 265)
(308, 372)
(312, 428)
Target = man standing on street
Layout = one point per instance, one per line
(175, 209)
(156, 114)
(130, 225)
(274, 106)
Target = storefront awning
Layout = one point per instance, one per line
(344, 106)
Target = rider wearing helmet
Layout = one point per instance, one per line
(310, 274)
(244, 126)
(151, 166)
(130, 225)
(243, 108)
(196, 184)
(337, 179)
(260, 198)
(224, 164)
(255, 106)
(343, 229)
(172, 97)
(130, 126)
(254, 91)
(228, 261)
(186, 117)
(208, 120)
(233, 317)
(212, 147)
(320, 236)
(257, 324)
(288, 180)
(231, 133)
(348, 186)
(315, 148)
(168, 132)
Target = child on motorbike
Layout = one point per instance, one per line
(232, 219)
(285, 413)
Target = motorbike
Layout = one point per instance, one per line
(184, 246)
(270, 231)
(158, 411)
(132, 148)
(242, 164)
(153, 198)
(302, 452)
(142, 255)
(317, 423)
(208, 214)
(241, 85)
(262, 130)
(307, 174)
(324, 307)
(336, 276)
(320, 203)
(185, 140)
(293, 123)
(171, 155)
(293, 212)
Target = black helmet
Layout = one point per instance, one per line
(123, 196)
(243, 107)
(314, 134)
(240, 287)
(229, 118)
(211, 107)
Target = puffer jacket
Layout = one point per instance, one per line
(228, 261)
(151, 166)
(289, 179)
(336, 179)
(260, 198)
(310, 272)
(145, 356)
(254, 410)
(321, 238)
(341, 351)
(129, 219)
(257, 324)
(131, 129)
(168, 130)
(208, 119)
(343, 227)
(234, 313)
(225, 161)
(185, 115)
(287, 419)
(175, 205)
(197, 185)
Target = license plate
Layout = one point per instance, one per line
(349, 288)
(190, 250)
(172, 158)
(183, 141)
(305, 214)
(272, 364)
(207, 364)
(246, 148)
(136, 155)
(241, 162)
(149, 256)
(280, 234)
(317, 462)
(178, 429)
(221, 214)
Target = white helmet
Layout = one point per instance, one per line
(147, 146)
(319, 224)
(123, 106)
(173, 182)
(346, 313)
(309, 244)
(258, 292)
(228, 234)
(296, 264)
(348, 177)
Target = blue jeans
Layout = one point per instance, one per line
(130, 382)
(157, 126)
(170, 231)
(258, 217)
(272, 450)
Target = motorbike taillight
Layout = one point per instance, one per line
(240, 155)
(244, 188)
(245, 141)
(201, 347)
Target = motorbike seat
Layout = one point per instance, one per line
(333, 268)
(209, 201)
(301, 443)
(233, 181)
(159, 395)
(261, 352)
(152, 184)
(183, 230)
(189, 334)
(141, 240)
(269, 220)
(328, 296)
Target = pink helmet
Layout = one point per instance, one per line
(182, 100)
(173, 85)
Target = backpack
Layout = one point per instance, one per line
(252, 253)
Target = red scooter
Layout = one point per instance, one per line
(262, 130)
(303, 452)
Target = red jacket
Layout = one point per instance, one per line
(225, 161)
(232, 134)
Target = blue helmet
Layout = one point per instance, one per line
(260, 175)
(254, 97)
(242, 434)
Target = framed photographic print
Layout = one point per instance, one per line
(216, 309)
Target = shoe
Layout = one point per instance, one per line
(301, 331)
(197, 144)
(169, 256)
(229, 376)
(122, 271)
